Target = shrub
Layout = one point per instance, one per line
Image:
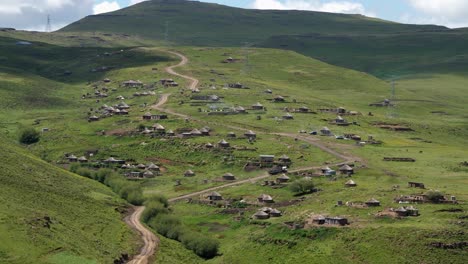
(158, 198)
(29, 136)
(153, 209)
(434, 196)
(302, 186)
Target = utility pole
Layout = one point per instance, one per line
(245, 50)
(392, 113)
(48, 28)
(166, 33)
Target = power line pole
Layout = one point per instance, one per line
(245, 50)
(48, 28)
(392, 107)
(166, 33)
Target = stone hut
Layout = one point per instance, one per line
(72, 158)
(278, 99)
(158, 128)
(350, 183)
(147, 116)
(373, 202)
(346, 169)
(223, 144)
(82, 159)
(336, 221)
(196, 133)
(282, 179)
(288, 116)
(214, 196)
(416, 185)
(261, 215)
(189, 173)
(204, 131)
(153, 167)
(275, 213)
(250, 134)
(257, 106)
(319, 220)
(148, 174)
(231, 135)
(229, 177)
(265, 198)
(285, 160)
(325, 131)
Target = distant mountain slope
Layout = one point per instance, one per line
(379, 47)
(48, 215)
(196, 23)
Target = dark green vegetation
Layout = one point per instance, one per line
(157, 215)
(382, 48)
(48, 215)
(41, 86)
(29, 136)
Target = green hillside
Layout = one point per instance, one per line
(204, 24)
(48, 215)
(379, 47)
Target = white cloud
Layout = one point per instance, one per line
(132, 2)
(346, 7)
(105, 7)
(32, 14)
(453, 13)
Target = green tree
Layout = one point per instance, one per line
(302, 186)
(434, 196)
(29, 136)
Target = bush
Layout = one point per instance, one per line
(159, 199)
(153, 209)
(29, 136)
(302, 186)
(434, 196)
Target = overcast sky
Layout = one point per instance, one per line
(32, 14)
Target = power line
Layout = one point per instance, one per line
(48, 25)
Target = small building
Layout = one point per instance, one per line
(240, 110)
(278, 99)
(288, 116)
(132, 83)
(285, 160)
(282, 179)
(275, 213)
(350, 183)
(82, 159)
(257, 106)
(106, 80)
(170, 133)
(148, 174)
(112, 160)
(196, 133)
(373, 202)
(209, 145)
(204, 131)
(231, 135)
(261, 215)
(152, 167)
(303, 109)
(250, 134)
(319, 220)
(224, 144)
(93, 118)
(147, 116)
(72, 158)
(341, 110)
(336, 221)
(346, 169)
(236, 85)
(141, 166)
(189, 173)
(266, 160)
(229, 177)
(214, 196)
(325, 131)
(265, 198)
(416, 185)
(159, 128)
(268, 91)
(412, 211)
(341, 121)
(122, 105)
(401, 212)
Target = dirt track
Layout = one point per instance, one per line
(151, 242)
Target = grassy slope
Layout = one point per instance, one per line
(85, 227)
(195, 23)
(382, 48)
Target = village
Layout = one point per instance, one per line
(130, 99)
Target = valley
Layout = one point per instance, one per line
(202, 150)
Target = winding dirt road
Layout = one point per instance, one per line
(151, 242)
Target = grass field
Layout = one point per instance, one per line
(35, 92)
(49, 215)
